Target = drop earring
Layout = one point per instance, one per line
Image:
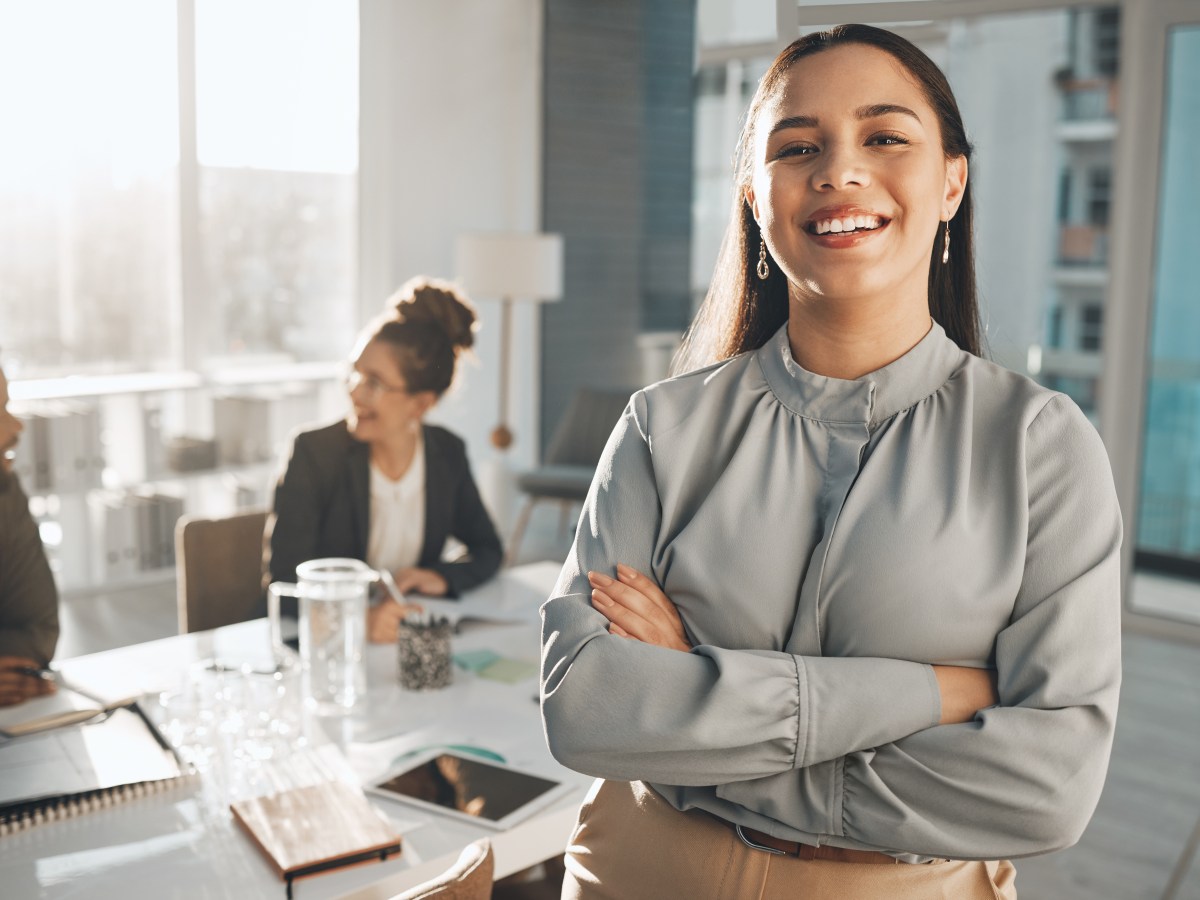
(946, 245)
(763, 270)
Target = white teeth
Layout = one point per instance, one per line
(848, 223)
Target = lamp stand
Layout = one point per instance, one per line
(502, 436)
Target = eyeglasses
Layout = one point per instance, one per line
(355, 379)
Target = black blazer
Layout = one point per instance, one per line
(321, 508)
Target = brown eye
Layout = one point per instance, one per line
(796, 150)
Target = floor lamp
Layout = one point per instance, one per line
(510, 268)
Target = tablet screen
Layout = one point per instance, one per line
(470, 786)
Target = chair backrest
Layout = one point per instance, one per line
(582, 432)
(468, 879)
(218, 569)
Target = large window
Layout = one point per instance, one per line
(88, 97)
(108, 234)
(1168, 536)
(277, 141)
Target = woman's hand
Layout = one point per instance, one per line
(636, 608)
(421, 581)
(383, 620)
(965, 691)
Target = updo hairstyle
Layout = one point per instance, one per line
(427, 324)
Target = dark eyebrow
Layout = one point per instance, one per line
(863, 112)
(884, 109)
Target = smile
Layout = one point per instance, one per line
(849, 231)
(845, 224)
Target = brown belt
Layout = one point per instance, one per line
(760, 841)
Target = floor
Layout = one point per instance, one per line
(1141, 844)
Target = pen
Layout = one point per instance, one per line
(44, 673)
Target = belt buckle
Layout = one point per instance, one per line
(753, 845)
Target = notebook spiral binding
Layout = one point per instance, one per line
(22, 816)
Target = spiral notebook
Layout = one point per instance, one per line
(74, 769)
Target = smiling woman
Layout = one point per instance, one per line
(382, 486)
(842, 618)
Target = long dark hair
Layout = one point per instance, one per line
(741, 312)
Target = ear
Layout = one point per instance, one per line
(956, 186)
(425, 401)
(751, 202)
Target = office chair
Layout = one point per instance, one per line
(571, 457)
(468, 879)
(218, 569)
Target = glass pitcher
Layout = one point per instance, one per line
(332, 595)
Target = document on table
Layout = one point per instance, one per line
(119, 750)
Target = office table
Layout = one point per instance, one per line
(184, 843)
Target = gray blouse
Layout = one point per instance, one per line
(826, 541)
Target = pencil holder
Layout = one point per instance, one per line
(424, 651)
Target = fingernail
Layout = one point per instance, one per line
(597, 578)
(601, 598)
(625, 573)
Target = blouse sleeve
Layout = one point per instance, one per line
(1023, 777)
(622, 709)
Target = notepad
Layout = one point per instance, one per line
(67, 771)
(305, 830)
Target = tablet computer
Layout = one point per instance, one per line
(469, 787)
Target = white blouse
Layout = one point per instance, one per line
(397, 529)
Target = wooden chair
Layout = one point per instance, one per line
(468, 879)
(218, 569)
(571, 457)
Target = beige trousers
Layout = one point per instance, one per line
(631, 844)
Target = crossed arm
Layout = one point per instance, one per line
(637, 609)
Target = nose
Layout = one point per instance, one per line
(356, 385)
(840, 166)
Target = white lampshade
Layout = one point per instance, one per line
(511, 266)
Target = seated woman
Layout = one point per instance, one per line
(381, 486)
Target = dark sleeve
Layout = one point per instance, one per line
(28, 596)
(294, 523)
(473, 526)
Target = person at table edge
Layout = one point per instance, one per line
(28, 596)
(381, 485)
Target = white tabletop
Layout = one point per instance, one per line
(183, 843)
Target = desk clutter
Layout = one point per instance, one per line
(252, 787)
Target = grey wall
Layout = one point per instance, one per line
(617, 184)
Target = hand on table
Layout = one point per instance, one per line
(383, 620)
(637, 608)
(421, 581)
(16, 686)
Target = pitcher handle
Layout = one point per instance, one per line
(280, 652)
